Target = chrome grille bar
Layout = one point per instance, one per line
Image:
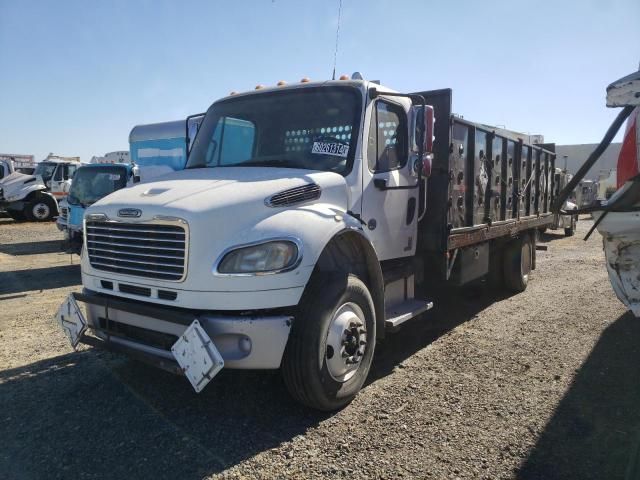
(149, 249)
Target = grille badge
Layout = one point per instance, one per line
(129, 212)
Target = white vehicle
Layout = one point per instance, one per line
(33, 197)
(303, 228)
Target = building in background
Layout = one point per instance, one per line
(577, 154)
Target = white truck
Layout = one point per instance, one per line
(34, 197)
(310, 220)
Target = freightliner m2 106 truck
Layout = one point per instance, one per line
(310, 220)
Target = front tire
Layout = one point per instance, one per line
(41, 209)
(331, 344)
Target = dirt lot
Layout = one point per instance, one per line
(544, 384)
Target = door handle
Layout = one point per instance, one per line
(380, 183)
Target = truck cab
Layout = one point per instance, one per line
(310, 220)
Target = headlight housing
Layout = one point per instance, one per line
(273, 256)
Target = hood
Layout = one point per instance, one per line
(194, 192)
(11, 185)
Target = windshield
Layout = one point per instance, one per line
(45, 170)
(90, 184)
(309, 128)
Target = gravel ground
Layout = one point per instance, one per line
(540, 385)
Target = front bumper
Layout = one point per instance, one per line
(244, 341)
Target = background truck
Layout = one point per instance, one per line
(11, 162)
(310, 220)
(34, 197)
(566, 220)
(97, 180)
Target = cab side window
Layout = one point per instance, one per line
(69, 171)
(58, 175)
(388, 138)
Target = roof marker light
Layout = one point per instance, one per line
(259, 87)
(281, 83)
(305, 80)
(232, 93)
(344, 77)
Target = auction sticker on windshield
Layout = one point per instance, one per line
(336, 149)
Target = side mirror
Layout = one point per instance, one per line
(427, 161)
(422, 132)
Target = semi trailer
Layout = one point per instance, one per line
(311, 219)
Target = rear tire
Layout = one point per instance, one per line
(332, 341)
(569, 231)
(518, 259)
(41, 208)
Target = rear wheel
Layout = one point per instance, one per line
(517, 264)
(569, 231)
(331, 344)
(41, 209)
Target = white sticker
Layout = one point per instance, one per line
(336, 149)
(114, 176)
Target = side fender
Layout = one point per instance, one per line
(350, 251)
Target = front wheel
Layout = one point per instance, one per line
(331, 344)
(41, 209)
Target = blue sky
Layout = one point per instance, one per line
(78, 75)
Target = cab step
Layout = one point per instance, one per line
(399, 313)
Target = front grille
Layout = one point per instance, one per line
(293, 196)
(148, 250)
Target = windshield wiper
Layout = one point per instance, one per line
(259, 163)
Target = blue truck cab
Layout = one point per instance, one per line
(154, 150)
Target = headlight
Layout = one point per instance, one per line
(269, 257)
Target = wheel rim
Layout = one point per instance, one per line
(41, 211)
(525, 260)
(346, 342)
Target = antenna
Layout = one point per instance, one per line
(335, 53)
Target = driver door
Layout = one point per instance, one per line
(390, 193)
